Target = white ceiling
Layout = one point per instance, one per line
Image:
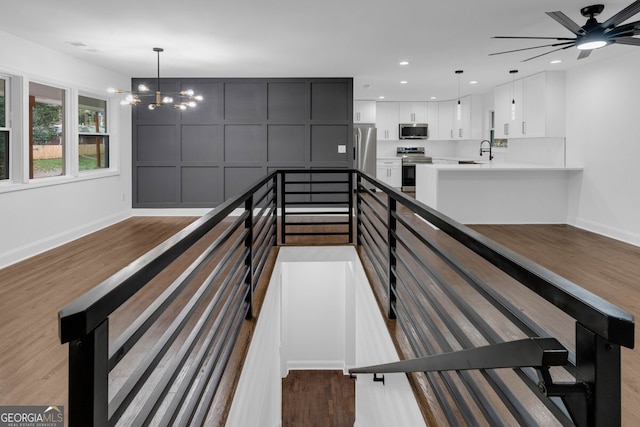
(364, 39)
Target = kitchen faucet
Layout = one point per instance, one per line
(486, 150)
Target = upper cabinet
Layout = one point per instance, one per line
(467, 124)
(446, 113)
(413, 112)
(364, 111)
(532, 107)
(440, 117)
(387, 120)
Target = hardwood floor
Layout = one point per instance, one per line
(318, 399)
(33, 364)
(606, 267)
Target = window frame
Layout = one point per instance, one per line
(67, 131)
(17, 87)
(106, 133)
(7, 128)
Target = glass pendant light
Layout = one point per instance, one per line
(513, 93)
(459, 106)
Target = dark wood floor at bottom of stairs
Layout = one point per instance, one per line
(318, 399)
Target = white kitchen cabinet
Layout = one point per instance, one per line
(387, 120)
(539, 105)
(413, 112)
(470, 124)
(433, 119)
(389, 171)
(466, 126)
(364, 111)
(509, 99)
(446, 112)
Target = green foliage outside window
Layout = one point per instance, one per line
(4, 155)
(2, 112)
(47, 123)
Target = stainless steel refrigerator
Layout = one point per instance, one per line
(364, 142)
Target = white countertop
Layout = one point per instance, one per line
(494, 166)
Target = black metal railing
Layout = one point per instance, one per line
(445, 304)
(196, 318)
(322, 191)
(435, 286)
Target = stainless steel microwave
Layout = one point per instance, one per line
(413, 131)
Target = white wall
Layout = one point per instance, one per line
(603, 135)
(45, 213)
(314, 315)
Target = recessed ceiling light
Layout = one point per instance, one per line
(403, 82)
(404, 62)
(381, 97)
(434, 97)
(473, 82)
(556, 61)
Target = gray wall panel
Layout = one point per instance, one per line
(286, 143)
(157, 185)
(325, 140)
(201, 185)
(287, 102)
(245, 102)
(243, 128)
(201, 143)
(330, 102)
(237, 179)
(210, 109)
(245, 143)
(156, 143)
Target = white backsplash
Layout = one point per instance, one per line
(432, 148)
(540, 151)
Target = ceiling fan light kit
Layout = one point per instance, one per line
(592, 35)
(144, 96)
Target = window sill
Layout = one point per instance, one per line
(8, 187)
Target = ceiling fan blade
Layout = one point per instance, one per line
(630, 29)
(533, 47)
(547, 53)
(584, 53)
(628, 40)
(533, 38)
(623, 15)
(566, 22)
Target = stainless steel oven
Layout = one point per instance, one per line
(411, 156)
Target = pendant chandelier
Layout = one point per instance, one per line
(144, 96)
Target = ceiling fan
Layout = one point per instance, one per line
(592, 35)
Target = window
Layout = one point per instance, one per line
(47, 133)
(4, 131)
(93, 141)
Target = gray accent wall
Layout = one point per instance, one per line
(242, 130)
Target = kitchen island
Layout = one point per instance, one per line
(497, 193)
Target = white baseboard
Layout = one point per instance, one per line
(607, 231)
(315, 365)
(170, 212)
(27, 251)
